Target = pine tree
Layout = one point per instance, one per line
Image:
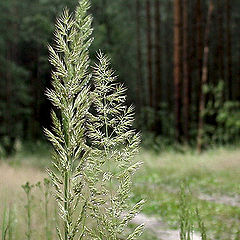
(186, 79)
(139, 81)
(177, 67)
(229, 50)
(149, 52)
(204, 79)
(14, 93)
(158, 79)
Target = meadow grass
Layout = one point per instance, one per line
(14, 202)
(215, 172)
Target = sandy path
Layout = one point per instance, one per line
(233, 201)
(221, 199)
(159, 228)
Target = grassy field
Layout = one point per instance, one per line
(213, 180)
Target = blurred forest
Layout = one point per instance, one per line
(180, 60)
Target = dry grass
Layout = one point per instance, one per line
(11, 179)
(166, 168)
(216, 160)
(12, 196)
(213, 179)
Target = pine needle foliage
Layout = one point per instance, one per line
(94, 143)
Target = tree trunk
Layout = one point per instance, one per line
(238, 71)
(158, 86)
(177, 66)
(220, 48)
(139, 81)
(9, 144)
(11, 57)
(204, 78)
(186, 81)
(199, 30)
(229, 49)
(149, 52)
(191, 28)
(168, 52)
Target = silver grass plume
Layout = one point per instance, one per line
(70, 95)
(111, 162)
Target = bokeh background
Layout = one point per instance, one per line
(180, 60)
(157, 49)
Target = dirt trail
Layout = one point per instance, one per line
(233, 201)
(159, 228)
(221, 199)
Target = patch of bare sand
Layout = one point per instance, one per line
(159, 228)
(233, 201)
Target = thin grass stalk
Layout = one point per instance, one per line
(11, 218)
(4, 227)
(45, 191)
(46, 203)
(201, 226)
(28, 190)
(186, 225)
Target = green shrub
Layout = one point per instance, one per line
(222, 117)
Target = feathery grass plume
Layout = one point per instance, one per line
(111, 164)
(70, 96)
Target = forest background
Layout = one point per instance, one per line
(179, 59)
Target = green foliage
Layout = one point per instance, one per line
(222, 117)
(229, 120)
(15, 104)
(26, 26)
